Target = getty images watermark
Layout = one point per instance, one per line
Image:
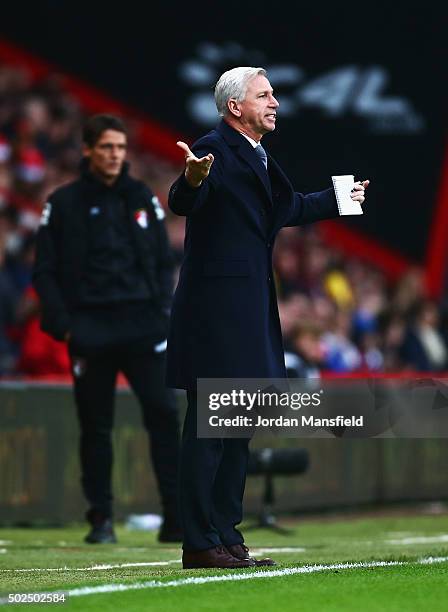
(297, 408)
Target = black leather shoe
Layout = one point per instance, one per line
(101, 533)
(170, 531)
(218, 557)
(240, 551)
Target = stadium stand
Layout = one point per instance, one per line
(339, 314)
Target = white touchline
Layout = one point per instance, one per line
(106, 566)
(280, 550)
(420, 540)
(287, 571)
(101, 566)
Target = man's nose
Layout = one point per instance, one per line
(274, 102)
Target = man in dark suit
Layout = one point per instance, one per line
(224, 321)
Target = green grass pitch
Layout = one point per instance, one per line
(415, 578)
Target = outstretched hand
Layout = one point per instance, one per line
(196, 168)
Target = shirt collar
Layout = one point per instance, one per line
(253, 142)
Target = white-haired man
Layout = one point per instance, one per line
(224, 321)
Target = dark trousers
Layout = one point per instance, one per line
(212, 481)
(94, 375)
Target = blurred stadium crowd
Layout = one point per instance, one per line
(338, 314)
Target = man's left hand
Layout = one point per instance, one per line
(358, 192)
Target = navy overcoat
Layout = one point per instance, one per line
(224, 320)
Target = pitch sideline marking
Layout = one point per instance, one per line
(257, 551)
(101, 566)
(106, 566)
(420, 540)
(288, 571)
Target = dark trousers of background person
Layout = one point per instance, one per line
(94, 375)
(212, 481)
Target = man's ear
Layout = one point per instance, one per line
(86, 150)
(233, 107)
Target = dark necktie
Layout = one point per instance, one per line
(261, 154)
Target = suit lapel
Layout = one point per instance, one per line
(245, 151)
(282, 192)
(278, 189)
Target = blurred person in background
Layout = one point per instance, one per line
(39, 354)
(341, 353)
(392, 329)
(424, 346)
(297, 308)
(103, 273)
(288, 272)
(8, 301)
(306, 358)
(410, 291)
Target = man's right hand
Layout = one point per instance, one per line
(196, 169)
